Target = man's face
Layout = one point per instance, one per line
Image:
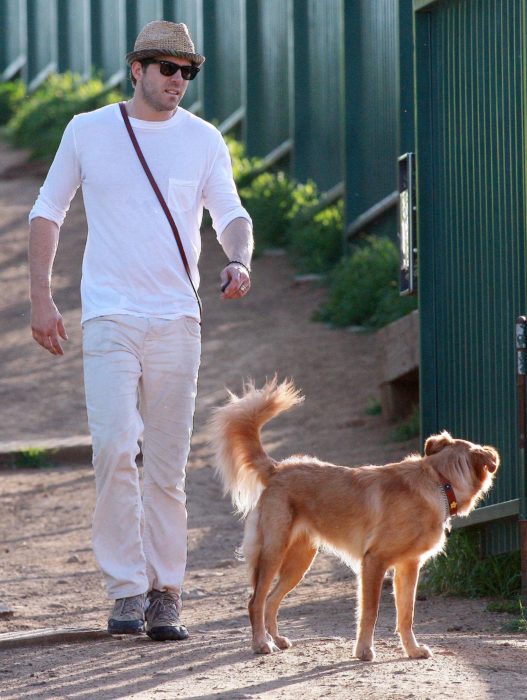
(161, 93)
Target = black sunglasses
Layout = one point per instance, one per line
(168, 68)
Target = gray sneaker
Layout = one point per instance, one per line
(128, 615)
(162, 617)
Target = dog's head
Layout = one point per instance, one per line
(469, 466)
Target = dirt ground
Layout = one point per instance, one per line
(48, 576)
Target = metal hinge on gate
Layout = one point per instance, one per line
(407, 225)
(521, 373)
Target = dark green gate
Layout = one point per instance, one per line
(471, 156)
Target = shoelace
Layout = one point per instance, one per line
(132, 605)
(164, 607)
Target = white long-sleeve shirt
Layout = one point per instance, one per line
(131, 261)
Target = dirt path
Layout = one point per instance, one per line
(47, 572)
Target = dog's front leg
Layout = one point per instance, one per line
(405, 584)
(369, 594)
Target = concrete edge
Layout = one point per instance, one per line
(73, 450)
(43, 637)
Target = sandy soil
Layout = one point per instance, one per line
(48, 577)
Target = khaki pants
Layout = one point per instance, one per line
(140, 378)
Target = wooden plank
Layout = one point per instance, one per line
(45, 637)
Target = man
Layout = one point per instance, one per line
(140, 314)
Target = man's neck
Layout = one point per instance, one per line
(137, 109)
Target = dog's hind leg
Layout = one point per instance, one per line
(297, 560)
(372, 573)
(405, 585)
(275, 539)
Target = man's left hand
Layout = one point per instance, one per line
(235, 281)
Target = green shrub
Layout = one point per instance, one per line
(11, 96)
(373, 407)
(363, 287)
(33, 458)
(316, 245)
(304, 197)
(40, 121)
(461, 570)
(274, 201)
(243, 167)
(407, 429)
(269, 201)
(392, 306)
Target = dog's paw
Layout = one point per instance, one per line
(364, 653)
(265, 647)
(282, 642)
(419, 652)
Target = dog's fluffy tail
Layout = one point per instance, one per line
(241, 461)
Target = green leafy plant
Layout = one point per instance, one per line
(461, 570)
(304, 197)
(40, 121)
(519, 624)
(373, 407)
(12, 93)
(32, 458)
(407, 429)
(316, 245)
(243, 167)
(269, 201)
(274, 201)
(512, 607)
(362, 287)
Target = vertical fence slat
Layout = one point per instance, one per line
(108, 39)
(13, 38)
(269, 75)
(74, 46)
(41, 40)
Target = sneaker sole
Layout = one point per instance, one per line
(168, 633)
(126, 626)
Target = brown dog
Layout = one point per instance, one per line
(378, 517)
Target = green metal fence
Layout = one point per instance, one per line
(224, 75)
(378, 84)
(41, 40)
(471, 136)
(278, 72)
(73, 41)
(270, 72)
(13, 38)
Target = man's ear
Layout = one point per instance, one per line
(136, 69)
(435, 443)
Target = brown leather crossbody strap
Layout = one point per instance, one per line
(161, 199)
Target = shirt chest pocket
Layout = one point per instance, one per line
(182, 194)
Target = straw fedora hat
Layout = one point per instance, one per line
(161, 38)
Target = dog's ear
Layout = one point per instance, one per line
(436, 443)
(485, 457)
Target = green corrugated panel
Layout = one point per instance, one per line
(318, 99)
(224, 74)
(471, 183)
(41, 40)
(139, 13)
(190, 13)
(108, 38)
(74, 43)
(269, 74)
(13, 43)
(372, 118)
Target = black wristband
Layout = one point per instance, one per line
(238, 262)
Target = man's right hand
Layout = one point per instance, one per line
(47, 325)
